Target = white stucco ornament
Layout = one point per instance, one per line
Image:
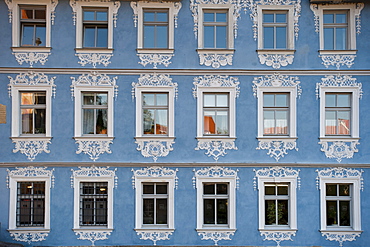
(94, 59)
(340, 173)
(154, 235)
(277, 148)
(341, 236)
(29, 237)
(154, 148)
(215, 60)
(155, 59)
(216, 172)
(216, 236)
(339, 149)
(277, 236)
(93, 236)
(276, 172)
(93, 148)
(31, 148)
(31, 57)
(155, 172)
(216, 148)
(337, 60)
(276, 60)
(93, 171)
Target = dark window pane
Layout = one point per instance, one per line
(331, 213)
(270, 212)
(148, 211)
(40, 119)
(161, 189)
(282, 190)
(270, 190)
(344, 190)
(345, 213)
(222, 211)
(148, 188)
(88, 211)
(283, 212)
(161, 208)
(209, 189)
(222, 189)
(331, 190)
(101, 211)
(101, 121)
(209, 211)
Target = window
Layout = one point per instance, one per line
(338, 205)
(216, 114)
(155, 113)
(95, 113)
(335, 30)
(155, 204)
(215, 204)
(95, 27)
(337, 114)
(33, 113)
(275, 114)
(276, 204)
(155, 29)
(33, 25)
(215, 29)
(93, 203)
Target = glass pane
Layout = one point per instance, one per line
(283, 215)
(40, 35)
(281, 122)
(101, 16)
(162, 37)
(149, 16)
(209, 122)
(221, 17)
(89, 37)
(209, 37)
(331, 190)
(281, 18)
(268, 37)
(344, 123)
(88, 121)
(40, 98)
(222, 211)
(27, 35)
(222, 189)
(208, 17)
(268, 122)
(162, 99)
(161, 209)
(329, 38)
(209, 189)
(161, 122)
(149, 36)
(161, 189)
(268, 18)
(88, 189)
(88, 211)
(270, 212)
(102, 39)
(209, 100)
(39, 188)
(344, 100)
(27, 99)
(38, 211)
(148, 99)
(330, 100)
(344, 190)
(270, 190)
(222, 100)
(27, 121)
(345, 213)
(268, 100)
(328, 18)
(209, 211)
(341, 18)
(330, 123)
(148, 211)
(27, 13)
(148, 188)
(89, 15)
(281, 100)
(222, 122)
(102, 188)
(281, 37)
(101, 99)
(101, 211)
(148, 123)
(282, 190)
(331, 213)
(101, 121)
(40, 119)
(341, 38)
(162, 16)
(88, 98)
(25, 212)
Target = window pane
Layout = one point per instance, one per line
(330, 123)
(27, 14)
(281, 18)
(281, 122)
(283, 215)
(222, 189)
(161, 122)
(88, 211)
(161, 189)
(222, 211)
(209, 211)
(221, 17)
(27, 121)
(88, 121)
(40, 119)
(38, 211)
(148, 211)
(101, 16)
(222, 100)
(101, 121)
(268, 122)
(209, 100)
(88, 99)
(222, 122)
(148, 188)
(89, 37)
(331, 190)
(331, 213)
(148, 99)
(268, 18)
(281, 37)
(345, 213)
(102, 39)
(40, 35)
(209, 37)
(148, 123)
(209, 189)
(328, 18)
(341, 18)
(101, 99)
(162, 37)
(162, 99)
(149, 36)
(268, 37)
(328, 38)
(208, 17)
(25, 212)
(282, 190)
(281, 100)
(209, 122)
(270, 212)
(268, 100)
(89, 15)
(161, 208)
(344, 190)
(101, 211)
(162, 16)
(27, 35)
(330, 100)
(343, 123)
(270, 190)
(40, 98)
(341, 38)
(148, 16)
(344, 100)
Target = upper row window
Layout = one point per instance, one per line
(95, 27)
(33, 25)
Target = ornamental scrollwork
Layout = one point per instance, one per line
(216, 236)
(155, 59)
(215, 60)
(339, 149)
(277, 236)
(276, 60)
(276, 172)
(276, 80)
(31, 57)
(93, 171)
(216, 172)
(154, 148)
(341, 236)
(339, 81)
(154, 80)
(155, 235)
(94, 79)
(94, 59)
(216, 148)
(93, 236)
(29, 236)
(31, 78)
(30, 171)
(337, 60)
(155, 172)
(31, 148)
(340, 173)
(215, 81)
(277, 148)
(93, 148)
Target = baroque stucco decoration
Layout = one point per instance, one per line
(93, 148)
(215, 81)
(93, 171)
(337, 60)
(216, 172)
(340, 172)
(340, 236)
(154, 80)
(277, 148)
(154, 148)
(215, 60)
(154, 235)
(155, 172)
(276, 172)
(31, 148)
(278, 236)
(30, 171)
(92, 235)
(216, 148)
(216, 236)
(31, 57)
(155, 59)
(276, 60)
(94, 59)
(29, 237)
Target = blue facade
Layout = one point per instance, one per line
(256, 159)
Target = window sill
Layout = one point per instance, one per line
(155, 138)
(90, 228)
(93, 50)
(344, 231)
(215, 51)
(337, 52)
(93, 138)
(215, 229)
(151, 229)
(215, 138)
(151, 51)
(338, 138)
(276, 229)
(30, 230)
(275, 51)
(32, 137)
(31, 49)
(277, 138)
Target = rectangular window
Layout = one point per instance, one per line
(215, 203)
(338, 205)
(215, 29)
(275, 113)
(337, 113)
(94, 113)
(93, 204)
(276, 204)
(275, 29)
(30, 204)
(155, 29)
(33, 112)
(95, 27)
(155, 204)
(33, 25)
(335, 24)
(216, 114)
(155, 113)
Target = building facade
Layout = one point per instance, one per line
(188, 123)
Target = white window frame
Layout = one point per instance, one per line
(290, 29)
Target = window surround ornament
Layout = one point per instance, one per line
(341, 175)
(25, 174)
(216, 174)
(216, 146)
(31, 145)
(276, 146)
(277, 175)
(94, 56)
(94, 81)
(216, 57)
(157, 56)
(340, 147)
(93, 174)
(155, 146)
(275, 58)
(154, 174)
(338, 58)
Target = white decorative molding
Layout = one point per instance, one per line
(276, 172)
(215, 60)
(216, 148)
(94, 59)
(93, 235)
(276, 80)
(155, 59)
(154, 80)
(337, 60)
(93, 148)
(29, 236)
(216, 236)
(216, 172)
(339, 149)
(94, 79)
(252, 5)
(30, 171)
(340, 173)
(277, 236)
(339, 81)
(31, 148)
(154, 235)
(155, 172)
(93, 171)
(277, 148)
(276, 60)
(31, 57)
(215, 81)
(31, 78)
(341, 236)
(154, 148)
